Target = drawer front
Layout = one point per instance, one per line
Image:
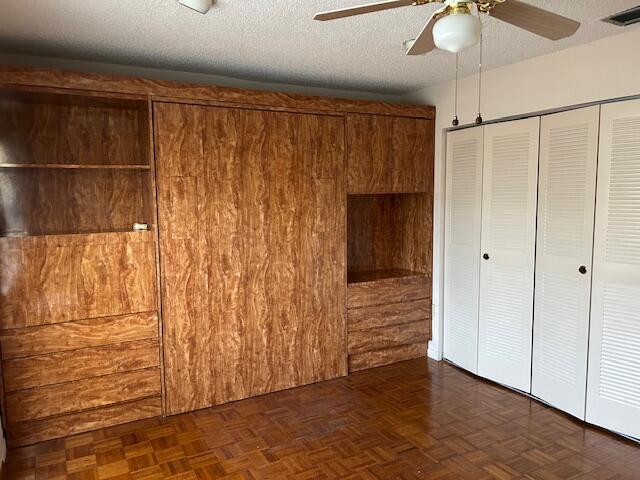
(60, 337)
(362, 341)
(53, 368)
(391, 290)
(29, 432)
(378, 358)
(81, 395)
(388, 315)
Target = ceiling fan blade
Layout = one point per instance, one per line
(361, 9)
(424, 42)
(534, 19)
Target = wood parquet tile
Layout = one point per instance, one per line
(413, 420)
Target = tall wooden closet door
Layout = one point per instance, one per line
(613, 386)
(566, 203)
(508, 249)
(252, 236)
(462, 246)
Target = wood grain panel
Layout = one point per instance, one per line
(81, 395)
(16, 75)
(389, 154)
(245, 295)
(26, 433)
(361, 341)
(43, 130)
(61, 337)
(378, 358)
(390, 290)
(387, 315)
(52, 368)
(389, 232)
(54, 201)
(52, 279)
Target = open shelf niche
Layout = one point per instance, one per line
(73, 163)
(387, 236)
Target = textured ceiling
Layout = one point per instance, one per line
(275, 40)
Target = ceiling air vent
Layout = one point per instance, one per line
(625, 18)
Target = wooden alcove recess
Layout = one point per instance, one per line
(99, 323)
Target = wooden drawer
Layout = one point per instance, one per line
(378, 358)
(53, 368)
(26, 433)
(386, 337)
(61, 337)
(388, 315)
(81, 395)
(388, 290)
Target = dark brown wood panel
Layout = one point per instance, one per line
(361, 341)
(81, 395)
(389, 232)
(53, 279)
(389, 154)
(389, 290)
(252, 207)
(60, 337)
(60, 201)
(52, 368)
(37, 130)
(26, 433)
(16, 75)
(387, 315)
(386, 356)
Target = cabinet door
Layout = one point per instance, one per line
(389, 154)
(566, 202)
(508, 247)
(613, 387)
(252, 236)
(462, 246)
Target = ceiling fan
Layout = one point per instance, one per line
(454, 27)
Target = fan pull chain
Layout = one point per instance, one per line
(479, 117)
(455, 99)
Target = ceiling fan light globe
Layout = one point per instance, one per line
(202, 6)
(457, 32)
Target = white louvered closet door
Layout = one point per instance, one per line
(613, 386)
(508, 248)
(462, 246)
(566, 203)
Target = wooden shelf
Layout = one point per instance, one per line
(72, 233)
(76, 166)
(374, 275)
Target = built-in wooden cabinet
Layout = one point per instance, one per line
(79, 305)
(389, 277)
(240, 280)
(389, 154)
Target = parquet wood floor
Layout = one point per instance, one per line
(415, 419)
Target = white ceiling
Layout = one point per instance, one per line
(275, 40)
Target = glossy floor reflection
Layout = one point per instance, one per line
(416, 419)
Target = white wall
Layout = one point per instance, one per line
(601, 70)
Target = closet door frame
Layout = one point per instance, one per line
(495, 314)
(566, 207)
(463, 247)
